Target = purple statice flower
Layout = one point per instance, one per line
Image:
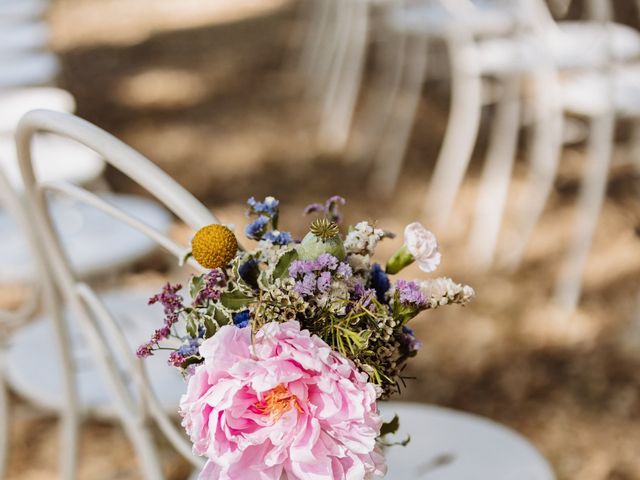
(344, 270)
(380, 282)
(171, 301)
(256, 229)
(241, 319)
(324, 282)
(362, 294)
(315, 276)
(172, 304)
(175, 359)
(268, 207)
(410, 293)
(330, 209)
(278, 238)
(145, 350)
(307, 285)
(410, 340)
(214, 282)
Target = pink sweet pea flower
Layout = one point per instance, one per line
(280, 405)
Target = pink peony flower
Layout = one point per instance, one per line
(280, 405)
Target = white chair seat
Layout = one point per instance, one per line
(433, 20)
(97, 243)
(33, 368)
(587, 94)
(18, 10)
(575, 45)
(56, 159)
(583, 44)
(15, 103)
(23, 36)
(467, 447)
(28, 69)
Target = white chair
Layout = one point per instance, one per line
(132, 397)
(28, 69)
(17, 11)
(540, 48)
(450, 445)
(9, 320)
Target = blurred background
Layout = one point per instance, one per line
(508, 128)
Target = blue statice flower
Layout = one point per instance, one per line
(410, 340)
(268, 207)
(380, 282)
(187, 350)
(249, 272)
(241, 319)
(410, 293)
(277, 237)
(257, 228)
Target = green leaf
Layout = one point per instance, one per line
(282, 267)
(391, 426)
(196, 359)
(209, 326)
(221, 315)
(192, 326)
(236, 300)
(196, 284)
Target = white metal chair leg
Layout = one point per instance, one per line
(344, 87)
(319, 16)
(70, 416)
(376, 112)
(544, 154)
(462, 130)
(599, 146)
(389, 158)
(496, 177)
(634, 147)
(329, 45)
(143, 443)
(4, 420)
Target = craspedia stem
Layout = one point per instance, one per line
(323, 228)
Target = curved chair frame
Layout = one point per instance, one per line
(135, 403)
(10, 201)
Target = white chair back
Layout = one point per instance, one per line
(135, 402)
(41, 293)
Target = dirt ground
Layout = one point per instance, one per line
(209, 91)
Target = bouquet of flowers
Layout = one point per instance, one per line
(287, 348)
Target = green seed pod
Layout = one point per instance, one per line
(324, 237)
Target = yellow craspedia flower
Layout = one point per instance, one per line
(214, 246)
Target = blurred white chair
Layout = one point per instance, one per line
(28, 69)
(450, 445)
(24, 37)
(18, 11)
(132, 395)
(40, 293)
(540, 47)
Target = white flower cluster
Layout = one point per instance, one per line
(443, 291)
(362, 240)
